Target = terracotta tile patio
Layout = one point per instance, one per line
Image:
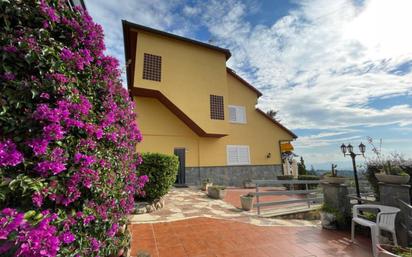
(201, 237)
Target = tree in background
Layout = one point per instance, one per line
(273, 114)
(302, 167)
(312, 170)
(68, 135)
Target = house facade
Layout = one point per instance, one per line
(190, 104)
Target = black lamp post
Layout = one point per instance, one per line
(348, 150)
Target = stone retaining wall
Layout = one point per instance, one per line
(231, 175)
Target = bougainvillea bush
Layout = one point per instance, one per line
(67, 135)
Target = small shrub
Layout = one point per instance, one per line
(371, 169)
(376, 166)
(161, 170)
(342, 219)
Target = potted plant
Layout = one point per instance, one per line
(216, 192)
(246, 201)
(392, 174)
(206, 183)
(393, 251)
(330, 217)
(333, 177)
(248, 184)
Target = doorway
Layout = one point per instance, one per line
(181, 172)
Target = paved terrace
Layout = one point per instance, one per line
(192, 225)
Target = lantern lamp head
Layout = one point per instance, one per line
(362, 148)
(343, 148)
(350, 148)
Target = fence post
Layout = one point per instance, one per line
(308, 195)
(336, 196)
(257, 198)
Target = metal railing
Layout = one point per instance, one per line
(310, 194)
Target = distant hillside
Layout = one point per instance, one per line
(345, 173)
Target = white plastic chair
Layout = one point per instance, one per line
(385, 220)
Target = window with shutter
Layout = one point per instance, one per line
(238, 155)
(237, 114)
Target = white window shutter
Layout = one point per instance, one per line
(237, 114)
(243, 153)
(238, 155)
(232, 113)
(232, 156)
(241, 114)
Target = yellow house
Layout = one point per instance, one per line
(190, 104)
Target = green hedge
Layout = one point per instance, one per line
(286, 177)
(161, 170)
(308, 177)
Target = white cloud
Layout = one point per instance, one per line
(322, 63)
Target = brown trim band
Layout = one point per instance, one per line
(277, 123)
(174, 109)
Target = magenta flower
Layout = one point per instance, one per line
(48, 11)
(45, 96)
(113, 230)
(66, 54)
(9, 156)
(9, 76)
(60, 78)
(88, 219)
(53, 132)
(67, 237)
(10, 221)
(55, 165)
(37, 199)
(39, 146)
(95, 244)
(10, 49)
(39, 241)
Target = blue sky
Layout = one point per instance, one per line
(337, 70)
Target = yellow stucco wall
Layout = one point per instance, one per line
(163, 131)
(190, 74)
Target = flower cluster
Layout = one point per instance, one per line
(68, 135)
(9, 155)
(34, 240)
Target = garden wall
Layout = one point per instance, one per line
(232, 175)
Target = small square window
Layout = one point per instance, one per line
(152, 67)
(216, 107)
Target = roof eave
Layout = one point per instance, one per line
(166, 34)
(244, 82)
(277, 123)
